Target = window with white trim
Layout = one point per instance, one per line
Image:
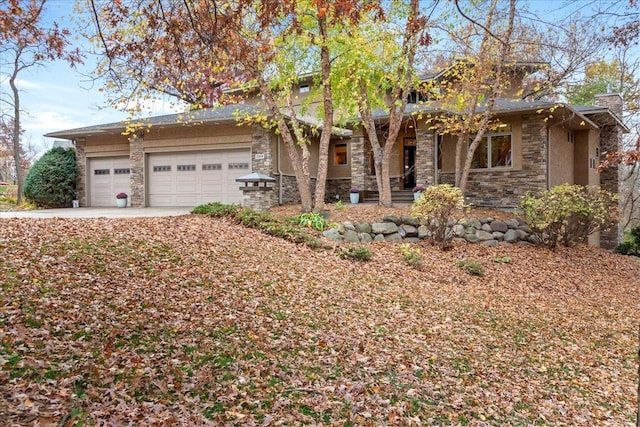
(340, 154)
(495, 150)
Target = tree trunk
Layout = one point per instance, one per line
(16, 134)
(325, 136)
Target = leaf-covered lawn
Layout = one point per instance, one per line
(192, 321)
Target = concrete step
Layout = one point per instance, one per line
(402, 196)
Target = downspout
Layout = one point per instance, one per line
(278, 139)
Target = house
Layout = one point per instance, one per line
(192, 158)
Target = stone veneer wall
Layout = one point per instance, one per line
(290, 194)
(425, 145)
(136, 157)
(610, 140)
(500, 188)
(358, 163)
(261, 162)
(81, 161)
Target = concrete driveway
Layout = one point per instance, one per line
(97, 213)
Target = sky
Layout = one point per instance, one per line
(56, 97)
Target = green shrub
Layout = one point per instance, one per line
(51, 181)
(357, 253)
(217, 209)
(411, 255)
(437, 208)
(263, 221)
(471, 267)
(312, 220)
(631, 243)
(568, 214)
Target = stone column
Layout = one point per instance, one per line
(136, 156)
(425, 151)
(610, 140)
(81, 161)
(261, 162)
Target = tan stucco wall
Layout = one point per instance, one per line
(561, 157)
(197, 137)
(106, 145)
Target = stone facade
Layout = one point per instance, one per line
(425, 146)
(358, 163)
(81, 161)
(504, 188)
(136, 156)
(260, 198)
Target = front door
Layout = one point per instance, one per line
(409, 163)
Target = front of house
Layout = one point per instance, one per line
(193, 158)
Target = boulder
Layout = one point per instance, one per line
(486, 227)
(499, 236)
(394, 237)
(510, 236)
(459, 230)
(410, 220)
(409, 230)
(512, 223)
(392, 218)
(384, 228)
(411, 240)
(522, 235)
(364, 227)
(484, 235)
(471, 238)
(525, 228)
(333, 234)
(490, 243)
(423, 232)
(348, 225)
(475, 223)
(379, 238)
(351, 236)
(365, 237)
(499, 226)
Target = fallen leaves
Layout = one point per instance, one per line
(196, 321)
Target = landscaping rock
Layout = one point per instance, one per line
(459, 230)
(475, 223)
(486, 227)
(333, 234)
(379, 238)
(395, 237)
(384, 228)
(499, 226)
(525, 228)
(471, 238)
(499, 236)
(411, 240)
(392, 218)
(410, 221)
(365, 237)
(521, 234)
(348, 225)
(364, 227)
(423, 232)
(401, 232)
(490, 243)
(409, 230)
(351, 236)
(512, 223)
(483, 235)
(510, 236)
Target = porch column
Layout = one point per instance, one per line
(262, 163)
(425, 151)
(136, 159)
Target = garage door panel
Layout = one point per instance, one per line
(196, 178)
(108, 177)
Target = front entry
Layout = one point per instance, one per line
(409, 163)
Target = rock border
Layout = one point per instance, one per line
(392, 228)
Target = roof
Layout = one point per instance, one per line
(602, 115)
(222, 114)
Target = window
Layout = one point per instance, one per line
(122, 171)
(340, 154)
(304, 88)
(212, 167)
(162, 168)
(494, 150)
(186, 168)
(101, 172)
(235, 166)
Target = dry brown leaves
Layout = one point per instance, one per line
(196, 321)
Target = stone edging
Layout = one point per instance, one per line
(392, 228)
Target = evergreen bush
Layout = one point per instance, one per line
(51, 181)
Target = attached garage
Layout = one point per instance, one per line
(107, 177)
(196, 177)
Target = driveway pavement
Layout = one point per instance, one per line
(97, 213)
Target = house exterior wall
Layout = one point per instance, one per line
(81, 161)
(561, 156)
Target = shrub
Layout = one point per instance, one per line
(436, 209)
(312, 220)
(357, 253)
(411, 255)
(631, 243)
(216, 210)
(471, 267)
(568, 214)
(51, 181)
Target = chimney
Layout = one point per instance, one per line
(612, 101)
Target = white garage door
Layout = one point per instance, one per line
(108, 177)
(190, 179)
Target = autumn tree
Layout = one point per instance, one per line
(469, 90)
(210, 53)
(26, 41)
